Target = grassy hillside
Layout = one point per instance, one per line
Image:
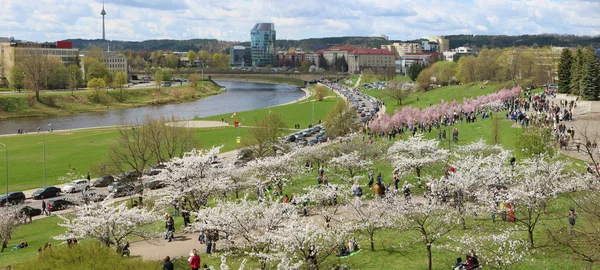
(64, 102)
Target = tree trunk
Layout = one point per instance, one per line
(3, 246)
(37, 95)
(530, 232)
(429, 256)
(372, 242)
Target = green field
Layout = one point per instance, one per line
(435, 96)
(295, 113)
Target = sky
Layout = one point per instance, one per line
(231, 20)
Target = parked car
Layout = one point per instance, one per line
(291, 138)
(114, 185)
(93, 197)
(130, 175)
(77, 186)
(46, 192)
(154, 169)
(302, 142)
(154, 184)
(30, 211)
(122, 191)
(60, 204)
(12, 198)
(103, 181)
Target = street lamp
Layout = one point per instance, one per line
(47, 129)
(313, 113)
(6, 153)
(276, 101)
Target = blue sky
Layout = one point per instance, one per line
(50, 20)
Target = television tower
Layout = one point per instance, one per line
(103, 13)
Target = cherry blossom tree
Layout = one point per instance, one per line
(370, 216)
(498, 250)
(537, 181)
(9, 221)
(191, 178)
(431, 220)
(276, 171)
(317, 154)
(352, 163)
(415, 153)
(108, 222)
(327, 199)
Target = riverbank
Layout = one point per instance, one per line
(66, 103)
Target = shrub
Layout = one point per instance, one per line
(90, 255)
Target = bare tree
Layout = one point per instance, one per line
(263, 138)
(168, 137)
(35, 66)
(396, 91)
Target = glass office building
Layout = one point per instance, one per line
(262, 39)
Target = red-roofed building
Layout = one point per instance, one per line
(331, 54)
(366, 58)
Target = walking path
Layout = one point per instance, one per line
(358, 81)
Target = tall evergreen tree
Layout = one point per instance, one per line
(564, 71)
(590, 83)
(577, 72)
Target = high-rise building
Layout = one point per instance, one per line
(103, 13)
(262, 40)
(443, 43)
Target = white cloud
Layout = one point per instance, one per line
(48, 20)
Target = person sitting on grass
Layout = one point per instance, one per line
(20, 246)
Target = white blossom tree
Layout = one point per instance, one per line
(108, 222)
(415, 153)
(274, 171)
(537, 181)
(191, 178)
(9, 221)
(351, 163)
(370, 216)
(431, 220)
(498, 250)
(327, 200)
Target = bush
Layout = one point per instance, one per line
(85, 256)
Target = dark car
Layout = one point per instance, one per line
(114, 185)
(59, 204)
(291, 138)
(122, 191)
(12, 198)
(154, 184)
(93, 197)
(46, 192)
(154, 169)
(30, 211)
(130, 175)
(103, 181)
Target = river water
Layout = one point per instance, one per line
(240, 96)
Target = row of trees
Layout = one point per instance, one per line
(578, 74)
(523, 65)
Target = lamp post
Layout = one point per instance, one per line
(271, 102)
(47, 130)
(6, 153)
(313, 113)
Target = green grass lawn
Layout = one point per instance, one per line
(435, 96)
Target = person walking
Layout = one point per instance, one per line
(194, 260)
(44, 210)
(186, 216)
(572, 217)
(170, 225)
(49, 208)
(167, 264)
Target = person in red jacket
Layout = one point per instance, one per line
(194, 259)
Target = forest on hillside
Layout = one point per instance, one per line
(313, 44)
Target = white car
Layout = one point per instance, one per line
(77, 186)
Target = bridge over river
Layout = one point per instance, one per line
(273, 76)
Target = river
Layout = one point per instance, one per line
(240, 96)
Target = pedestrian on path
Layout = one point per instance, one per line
(170, 225)
(44, 210)
(572, 217)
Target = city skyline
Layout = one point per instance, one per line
(137, 20)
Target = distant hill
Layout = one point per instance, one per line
(313, 44)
